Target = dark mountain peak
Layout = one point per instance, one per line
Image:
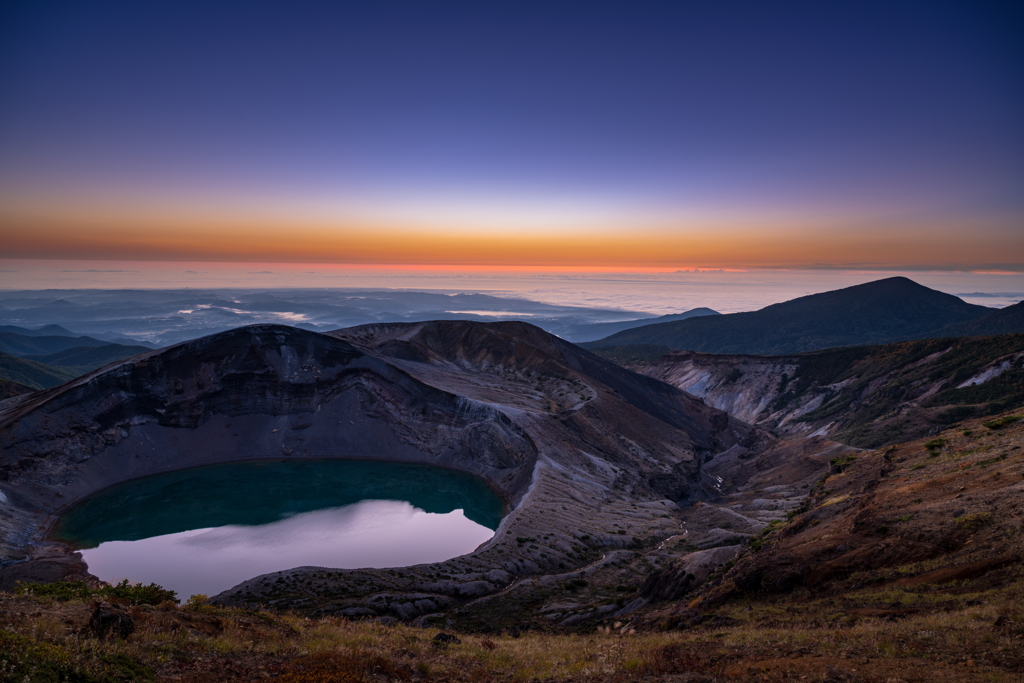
(887, 294)
(260, 340)
(888, 310)
(246, 369)
(53, 331)
(44, 331)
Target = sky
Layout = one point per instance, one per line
(587, 135)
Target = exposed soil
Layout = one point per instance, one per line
(867, 396)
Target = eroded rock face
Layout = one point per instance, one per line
(586, 454)
(864, 396)
(686, 573)
(259, 392)
(744, 386)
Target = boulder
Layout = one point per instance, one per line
(111, 620)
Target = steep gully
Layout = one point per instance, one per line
(592, 459)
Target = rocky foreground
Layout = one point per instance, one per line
(648, 536)
(902, 566)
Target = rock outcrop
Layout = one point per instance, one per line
(864, 396)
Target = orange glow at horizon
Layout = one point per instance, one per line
(637, 248)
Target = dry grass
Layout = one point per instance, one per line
(213, 644)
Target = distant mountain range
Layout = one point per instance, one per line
(44, 331)
(593, 331)
(83, 359)
(1009, 320)
(165, 317)
(880, 312)
(884, 311)
(52, 355)
(31, 373)
(24, 345)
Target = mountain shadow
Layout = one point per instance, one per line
(880, 312)
(1009, 320)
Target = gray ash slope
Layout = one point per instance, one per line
(866, 396)
(587, 454)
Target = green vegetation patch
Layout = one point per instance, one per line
(30, 661)
(976, 520)
(1001, 422)
(33, 374)
(991, 461)
(842, 463)
(124, 592)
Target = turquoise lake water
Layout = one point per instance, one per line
(207, 529)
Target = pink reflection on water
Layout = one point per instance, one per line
(371, 533)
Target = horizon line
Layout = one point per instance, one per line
(979, 268)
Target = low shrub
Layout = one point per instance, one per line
(1001, 422)
(139, 594)
(124, 592)
(26, 660)
(58, 590)
(973, 521)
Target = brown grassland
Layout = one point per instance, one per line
(889, 618)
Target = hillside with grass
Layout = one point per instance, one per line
(1002, 321)
(32, 373)
(11, 389)
(880, 312)
(23, 345)
(83, 359)
(903, 564)
(864, 396)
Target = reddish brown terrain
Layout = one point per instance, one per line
(791, 558)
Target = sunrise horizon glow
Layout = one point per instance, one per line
(663, 136)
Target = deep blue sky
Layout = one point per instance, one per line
(534, 114)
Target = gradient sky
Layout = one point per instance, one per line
(627, 134)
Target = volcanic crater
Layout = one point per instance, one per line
(591, 459)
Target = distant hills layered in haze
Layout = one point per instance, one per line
(585, 333)
(165, 317)
(50, 356)
(884, 311)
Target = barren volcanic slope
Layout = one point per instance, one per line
(587, 454)
(864, 396)
(914, 528)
